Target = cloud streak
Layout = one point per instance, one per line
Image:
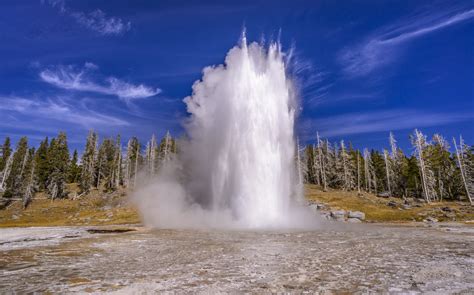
(381, 48)
(80, 79)
(57, 110)
(378, 121)
(96, 20)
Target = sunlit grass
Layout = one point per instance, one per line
(376, 208)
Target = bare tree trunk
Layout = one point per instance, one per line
(462, 168)
(422, 164)
(322, 165)
(6, 171)
(358, 173)
(385, 155)
(298, 162)
(136, 165)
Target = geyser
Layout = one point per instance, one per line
(237, 166)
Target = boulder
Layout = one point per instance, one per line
(392, 204)
(447, 209)
(338, 215)
(356, 214)
(354, 220)
(383, 194)
(430, 220)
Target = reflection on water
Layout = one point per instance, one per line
(364, 258)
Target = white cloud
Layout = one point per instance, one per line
(382, 47)
(57, 110)
(377, 121)
(80, 79)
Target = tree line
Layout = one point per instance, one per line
(27, 170)
(431, 172)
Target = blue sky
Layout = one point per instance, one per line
(363, 68)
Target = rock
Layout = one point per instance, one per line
(406, 206)
(430, 220)
(15, 217)
(354, 220)
(447, 209)
(338, 214)
(356, 214)
(383, 194)
(392, 204)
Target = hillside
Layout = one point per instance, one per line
(98, 208)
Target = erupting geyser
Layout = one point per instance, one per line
(237, 168)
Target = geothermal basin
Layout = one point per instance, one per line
(358, 258)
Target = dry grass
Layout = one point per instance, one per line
(99, 208)
(94, 209)
(376, 208)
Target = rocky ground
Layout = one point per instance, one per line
(338, 258)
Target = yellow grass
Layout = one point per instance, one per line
(99, 208)
(87, 210)
(376, 209)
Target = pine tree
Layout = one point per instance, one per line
(88, 162)
(310, 165)
(6, 151)
(74, 169)
(105, 164)
(369, 173)
(330, 156)
(117, 169)
(58, 158)
(346, 168)
(379, 171)
(42, 169)
(133, 160)
(16, 177)
(151, 156)
(29, 181)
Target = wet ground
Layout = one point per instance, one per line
(359, 258)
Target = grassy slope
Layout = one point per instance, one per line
(376, 208)
(94, 209)
(105, 209)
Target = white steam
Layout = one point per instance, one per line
(237, 167)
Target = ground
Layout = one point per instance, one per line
(102, 208)
(95, 256)
(337, 258)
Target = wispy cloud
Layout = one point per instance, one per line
(96, 20)
(382, 47)
(58, 110)
(376, 121)
(80, 79)
(99, 22)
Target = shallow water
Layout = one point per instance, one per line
(359, 258)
